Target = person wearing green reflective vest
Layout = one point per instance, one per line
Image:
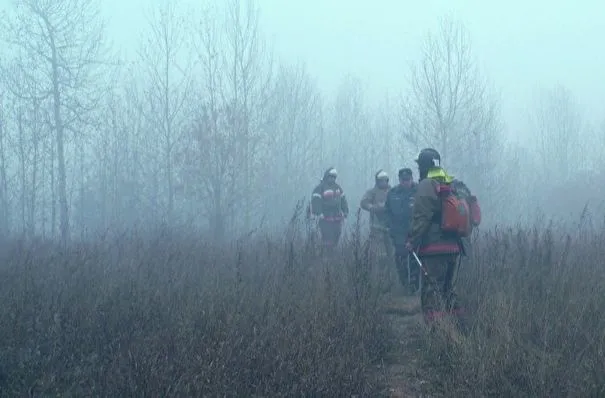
(437, 250)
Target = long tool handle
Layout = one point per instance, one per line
(419, 263)
(409, 270)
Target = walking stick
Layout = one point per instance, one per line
(409, 270)
(420, 275)
(420, 280)
(419, 263)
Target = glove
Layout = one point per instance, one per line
(409, 246)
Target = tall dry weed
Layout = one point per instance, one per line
(166, 314)
(535, 327)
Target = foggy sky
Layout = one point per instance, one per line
(521, 46)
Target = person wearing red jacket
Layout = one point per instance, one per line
(329, 204)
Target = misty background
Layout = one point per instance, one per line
(222, 115)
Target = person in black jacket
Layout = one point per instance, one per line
(398, 208)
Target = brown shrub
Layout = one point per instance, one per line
(169, 315)
(535, 327)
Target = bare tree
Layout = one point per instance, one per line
(388, 143)
(117, 187)
(167, 69)
(112, 142)
(248, 80)
(211, 163)
(133, 122)
(449, 105)
(23, 153)
(4, 196)
(60, 43)
(233, 115)
(559, 130)
(29, 114)
(296, 139)
(353, 149)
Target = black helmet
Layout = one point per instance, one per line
(428, 157)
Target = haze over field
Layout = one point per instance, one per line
(521, 46)
(537, 65)
(156, 159)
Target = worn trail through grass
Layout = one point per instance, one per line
(401, 371)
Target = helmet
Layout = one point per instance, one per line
(428, 157)
(381, 175)
(330, 172)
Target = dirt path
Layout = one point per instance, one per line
(400, 370)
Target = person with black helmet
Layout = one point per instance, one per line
(398, 207)
(373, 201)
(438, 251)
(329, 204)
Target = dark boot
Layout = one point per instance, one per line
(415, 278)
(402, 270)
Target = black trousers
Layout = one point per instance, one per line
(407, 268)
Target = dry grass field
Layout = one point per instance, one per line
(168, 314)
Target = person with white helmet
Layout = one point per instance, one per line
(373, 201)
(329, 204)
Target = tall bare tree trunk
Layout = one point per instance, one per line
(53, 193)
(23, 171)
(5, 222)
(43, 191)
(82, 201)
(60, 137)
(34, 177)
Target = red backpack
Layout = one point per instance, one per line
(460, 211)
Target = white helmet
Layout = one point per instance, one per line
(382, 175)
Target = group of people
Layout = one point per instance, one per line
(421, 224)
